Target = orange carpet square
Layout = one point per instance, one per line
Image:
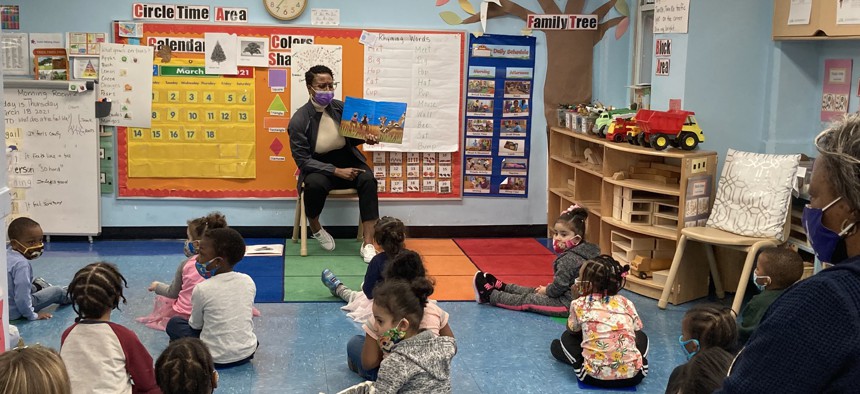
(449, 265)
(434, 247)
(454, 288)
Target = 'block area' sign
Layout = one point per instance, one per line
(562, 22)
(664, 48)
(662, 66)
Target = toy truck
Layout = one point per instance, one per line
(644, 267)
(659, 129)
(620, 128)
(604, 120)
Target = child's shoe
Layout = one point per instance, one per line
(41, 284)
(482, 288)
(331, 281)
(495, 282)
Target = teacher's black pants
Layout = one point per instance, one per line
(317, 185)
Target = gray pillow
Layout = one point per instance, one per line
(754, 194)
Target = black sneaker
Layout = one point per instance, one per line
(495, 282)
(41, 284)
(482, 288)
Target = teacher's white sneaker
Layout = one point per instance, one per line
(367, 252)
(325, 239)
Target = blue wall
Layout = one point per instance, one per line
(96, 15)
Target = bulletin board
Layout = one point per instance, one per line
(220, 136)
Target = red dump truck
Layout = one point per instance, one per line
(659, 129)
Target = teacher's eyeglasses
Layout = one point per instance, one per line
(327, 86)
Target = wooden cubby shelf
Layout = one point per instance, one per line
(629, 208)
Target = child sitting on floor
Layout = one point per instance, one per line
(417, 361)
(186, 367)
(102, 356)
(776, 270)
(175, 299)
(28, 296)
(363, 352)
(604, 342)
(33, 369)
(390, 234)
(554, 299)
(221, 306)
(705, 372)
(704, 327)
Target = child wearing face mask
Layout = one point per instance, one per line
(775, 271)
(417, 361)
(221, 305)
(175, 299)
(604, 341)
(553, 299)
(703, 327)
(28, 296)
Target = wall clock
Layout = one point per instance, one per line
(285, 9)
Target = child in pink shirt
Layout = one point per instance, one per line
(175, 299)
(604, 342)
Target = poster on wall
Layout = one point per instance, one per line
(225, 136)
(498, 116)
(836, 88)
(125, 79)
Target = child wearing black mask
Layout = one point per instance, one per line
(27, 296)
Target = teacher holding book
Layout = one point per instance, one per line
(327, 160)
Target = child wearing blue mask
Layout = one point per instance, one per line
(28, 296)
(221, 306)
(175, 299)
(703, 327)
(775, 271)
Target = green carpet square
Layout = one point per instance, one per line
(313, 265)
(343, 247)
(311, 289)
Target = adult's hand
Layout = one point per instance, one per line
(43, 316)
(347, 173)
(371, 139)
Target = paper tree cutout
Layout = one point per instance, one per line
(277, 105)
(218, 55)
(569, 52)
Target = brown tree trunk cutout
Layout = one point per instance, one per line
(570, 53)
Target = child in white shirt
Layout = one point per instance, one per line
(221, 306)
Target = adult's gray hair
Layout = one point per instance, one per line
(839, 148)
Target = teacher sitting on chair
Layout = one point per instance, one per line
(327, 160)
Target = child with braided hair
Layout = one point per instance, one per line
(186, 367)
(102, 356)
(553, 299)
(604, 342)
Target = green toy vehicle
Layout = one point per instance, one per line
(606, 117)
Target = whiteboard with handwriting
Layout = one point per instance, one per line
(52, 145)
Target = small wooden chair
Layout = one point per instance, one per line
(300, 224)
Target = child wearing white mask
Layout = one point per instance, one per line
(28, 296)
(775, 271)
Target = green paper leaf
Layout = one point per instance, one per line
(621, 28)
(450, 18)
(622, 8)
(467, 6)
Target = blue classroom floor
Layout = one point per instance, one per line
(303, 345)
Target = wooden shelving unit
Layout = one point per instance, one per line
(572, 179)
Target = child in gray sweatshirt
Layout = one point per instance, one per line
(415, 361)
